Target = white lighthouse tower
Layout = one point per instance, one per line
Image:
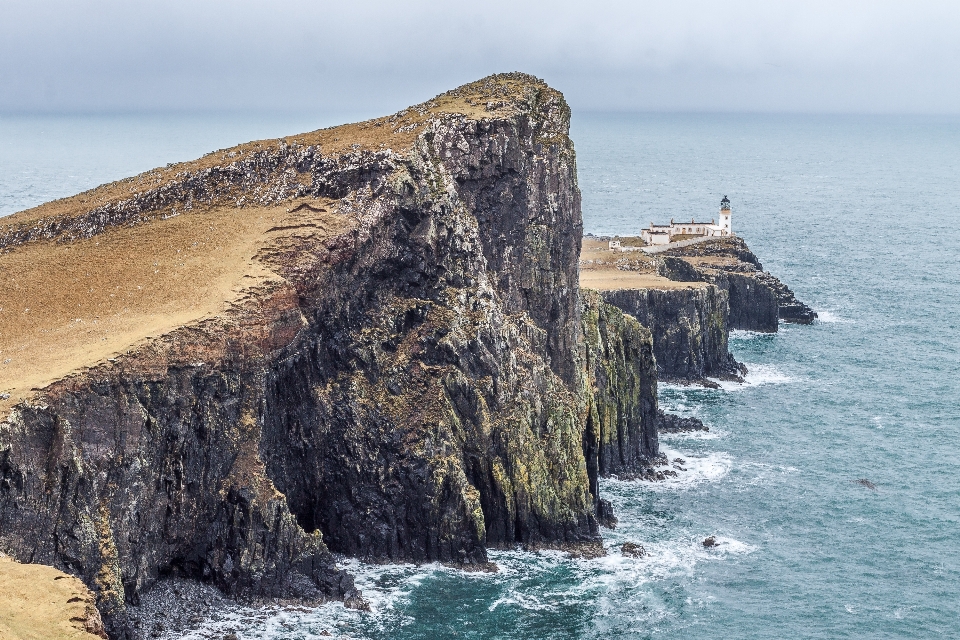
(725, 228)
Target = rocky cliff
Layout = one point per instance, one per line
(691, 298)
(758, 300)
(690, 329)
(366, 339)
(622, 423)
(688, 317)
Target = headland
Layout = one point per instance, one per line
(387, 340)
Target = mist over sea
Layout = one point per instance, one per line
(860, 216)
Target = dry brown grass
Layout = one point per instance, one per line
(67, 306)
(396, 132)
(599, 269)
(611, 279)
(40, 603)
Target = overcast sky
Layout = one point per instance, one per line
(378, 56)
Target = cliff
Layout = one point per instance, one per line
(690, 328)
(690, 298)
(367, 339)
(622, 423)
(758, 300)
(689, 318)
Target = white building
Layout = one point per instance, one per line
(666, 233)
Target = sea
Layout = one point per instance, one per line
(830, 478)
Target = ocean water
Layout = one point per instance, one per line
(861, 217)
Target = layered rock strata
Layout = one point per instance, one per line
(398, 371)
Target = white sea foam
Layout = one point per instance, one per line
(828, 316)
(607, 582)
(757, 375)
(698, 469)
(746, 334)
(693, 471)
(713, 434)
(383, 587)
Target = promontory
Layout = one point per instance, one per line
(367, 340)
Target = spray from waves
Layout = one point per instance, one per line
(828, 317)
(385, 587)
(757, 375)
(691, 471)
(544, 583)
(713, 434)
(746, 334)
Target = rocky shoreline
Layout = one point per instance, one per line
(410, 368)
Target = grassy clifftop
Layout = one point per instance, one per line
(40, 603)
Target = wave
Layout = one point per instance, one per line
(713, 434)
(746, 334)
(757, 375)
(693, 471)
(385, 588)
(827, 316)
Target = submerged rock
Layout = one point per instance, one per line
(672, 423)
(633, 550)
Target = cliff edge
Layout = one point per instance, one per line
(367, 340)
(40, 603)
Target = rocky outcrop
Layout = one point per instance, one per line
(621, 427)
(789, 308)
(753, 304)
(758, 300)
(414, 387)
(689, 326)
(672, 423)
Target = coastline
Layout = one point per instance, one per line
(488, 395)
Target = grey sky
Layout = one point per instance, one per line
(375, 56)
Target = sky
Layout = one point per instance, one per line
(848, 56)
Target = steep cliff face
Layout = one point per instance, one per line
(689, 327)
(757, 298)
(753, 305)
(621, 434)
(398, 372)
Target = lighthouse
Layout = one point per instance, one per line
(725, 228)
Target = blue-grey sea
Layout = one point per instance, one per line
(860, 215)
